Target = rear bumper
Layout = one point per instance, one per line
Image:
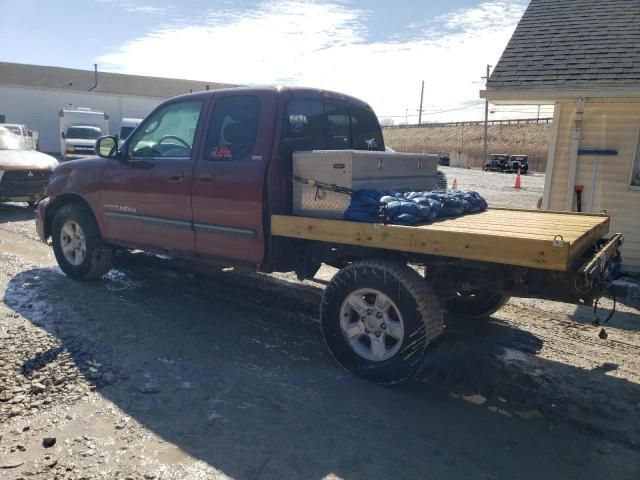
(41, 219)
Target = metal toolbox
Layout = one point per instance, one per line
(357, 170)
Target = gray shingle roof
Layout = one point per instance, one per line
(115, 83)
(572, 43)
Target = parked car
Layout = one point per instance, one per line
(519, 163)
(444, 160)
(24, 173)
(498, 163)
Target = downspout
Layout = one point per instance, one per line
(95, 77)
(573, 156)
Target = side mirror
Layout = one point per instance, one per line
(62, 135)
(107, 147)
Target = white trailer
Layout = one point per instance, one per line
(79, 130)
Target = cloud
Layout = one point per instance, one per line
(327, 45)
(131, 7)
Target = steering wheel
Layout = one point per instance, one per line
(173, 137)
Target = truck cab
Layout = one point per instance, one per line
(202, 173)
(79, 140)
(23, 132)
(79, 129)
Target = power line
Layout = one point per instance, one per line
(433, 112)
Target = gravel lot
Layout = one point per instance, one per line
(497, 188)
(162, 371)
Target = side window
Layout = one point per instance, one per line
(367, 134)
(234, 128)
(304, 125)
(338, 127)
(169, 132)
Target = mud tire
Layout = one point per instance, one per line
(413, 297)
(99, 257)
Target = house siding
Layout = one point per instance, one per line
(611, 124)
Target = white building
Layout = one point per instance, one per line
(583, 57)
(33, 95)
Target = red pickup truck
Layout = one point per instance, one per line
(208, 177)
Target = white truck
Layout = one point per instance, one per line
(127, 126)
(79, 130)
(29, 137)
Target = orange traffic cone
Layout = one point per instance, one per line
(518, 184)
(455, 184)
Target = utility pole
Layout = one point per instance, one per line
(421, 97)
(538, 120)
(406, 116)
(486, 118)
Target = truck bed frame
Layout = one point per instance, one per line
(525, 238)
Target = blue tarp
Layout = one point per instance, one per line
(411, 208)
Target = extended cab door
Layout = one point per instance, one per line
(228, 183)
(146, 200)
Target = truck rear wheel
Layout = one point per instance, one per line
(378, 317)
(479, 305)
(77, 244)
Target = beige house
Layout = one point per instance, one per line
(583, 56)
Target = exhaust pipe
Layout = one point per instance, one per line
(95, 77)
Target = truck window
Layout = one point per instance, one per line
(366, 131)
(338, 127)
(313, 124)
(304, 125)
(233, 129)
(125, 132)
(84, 133)
(168, 132)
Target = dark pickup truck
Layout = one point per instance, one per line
(208, 177)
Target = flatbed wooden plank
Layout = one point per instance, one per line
(523, 241)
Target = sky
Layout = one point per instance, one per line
(377, 50)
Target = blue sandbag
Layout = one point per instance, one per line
(411, 208)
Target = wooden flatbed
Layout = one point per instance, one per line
(527, 238)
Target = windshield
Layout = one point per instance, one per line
(125, 132)
(12, 129)
(86, 133)
(8, 141)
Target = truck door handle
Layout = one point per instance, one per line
(205, 179)
(176, 178)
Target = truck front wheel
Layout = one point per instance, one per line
(378, 317)
(77, 244)
(479, 305)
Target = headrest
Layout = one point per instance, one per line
(235, 133)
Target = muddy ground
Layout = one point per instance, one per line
(158, 371)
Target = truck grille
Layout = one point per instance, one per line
(22, 183)
(84, 149)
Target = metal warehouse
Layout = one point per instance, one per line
(33, 95)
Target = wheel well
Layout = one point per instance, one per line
(59, 202)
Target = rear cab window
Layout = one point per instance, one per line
(330, 124)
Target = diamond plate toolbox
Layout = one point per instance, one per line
(357, 170)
